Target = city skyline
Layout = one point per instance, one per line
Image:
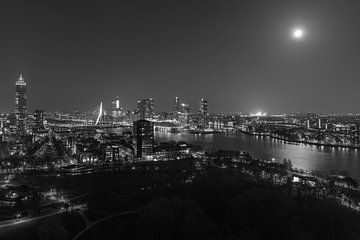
(109, 106)
(142, 50)
(171, 119)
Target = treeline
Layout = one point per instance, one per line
(224, 205)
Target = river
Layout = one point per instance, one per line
(307, 157)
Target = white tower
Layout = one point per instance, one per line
(100, 114)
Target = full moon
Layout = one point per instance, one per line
(298, 33)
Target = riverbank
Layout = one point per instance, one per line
(300, 141)
(303, 156)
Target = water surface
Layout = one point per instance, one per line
(303, 156)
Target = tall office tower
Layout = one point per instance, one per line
(145, 108)
(143, 132)
(116, 109)
(180, 108)
(116, 104)
(20, 104)
(176, 106)
(184, 108)
(38, 120)
(203, 107)
(203, 110)
(183, 114)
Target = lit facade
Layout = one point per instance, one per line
(117, 111)
(143, 132)
(181, 111)
(38, 120)
(203, 106)
(145, 108)
(20, 104)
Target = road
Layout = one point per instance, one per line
(12, 222)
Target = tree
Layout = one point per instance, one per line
(175, 219)
(289, 164)
(52, 229)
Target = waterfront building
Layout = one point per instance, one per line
(145, 108)
(203, 111)
(143, 133)
(117, 111)
(203, 107)
(176, 107)
(181, 111)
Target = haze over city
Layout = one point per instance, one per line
(241, 56)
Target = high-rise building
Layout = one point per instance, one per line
(38, 120)
(203, 111)
(180, 106)
(20, 104)
(117, 111)
(145, 108)
(181, 110)
(176, 107)
(117, 103)
(203, 107)
(143, 132)
(184, 108)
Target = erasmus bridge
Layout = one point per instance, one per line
(103, 120)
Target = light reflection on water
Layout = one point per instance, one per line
(303, 156)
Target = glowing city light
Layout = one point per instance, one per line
(298, 33)
(258, 114)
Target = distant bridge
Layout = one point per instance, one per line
(90, 126)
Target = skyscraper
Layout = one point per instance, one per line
(203, 112)
(203, 107)
(20, 104)
(143, 132)
(145, 108)
(181, 111)
(180, 107)
(116, 109)
(176, 106)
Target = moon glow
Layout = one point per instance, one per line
(298, 33)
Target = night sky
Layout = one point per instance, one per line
(237, 54)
